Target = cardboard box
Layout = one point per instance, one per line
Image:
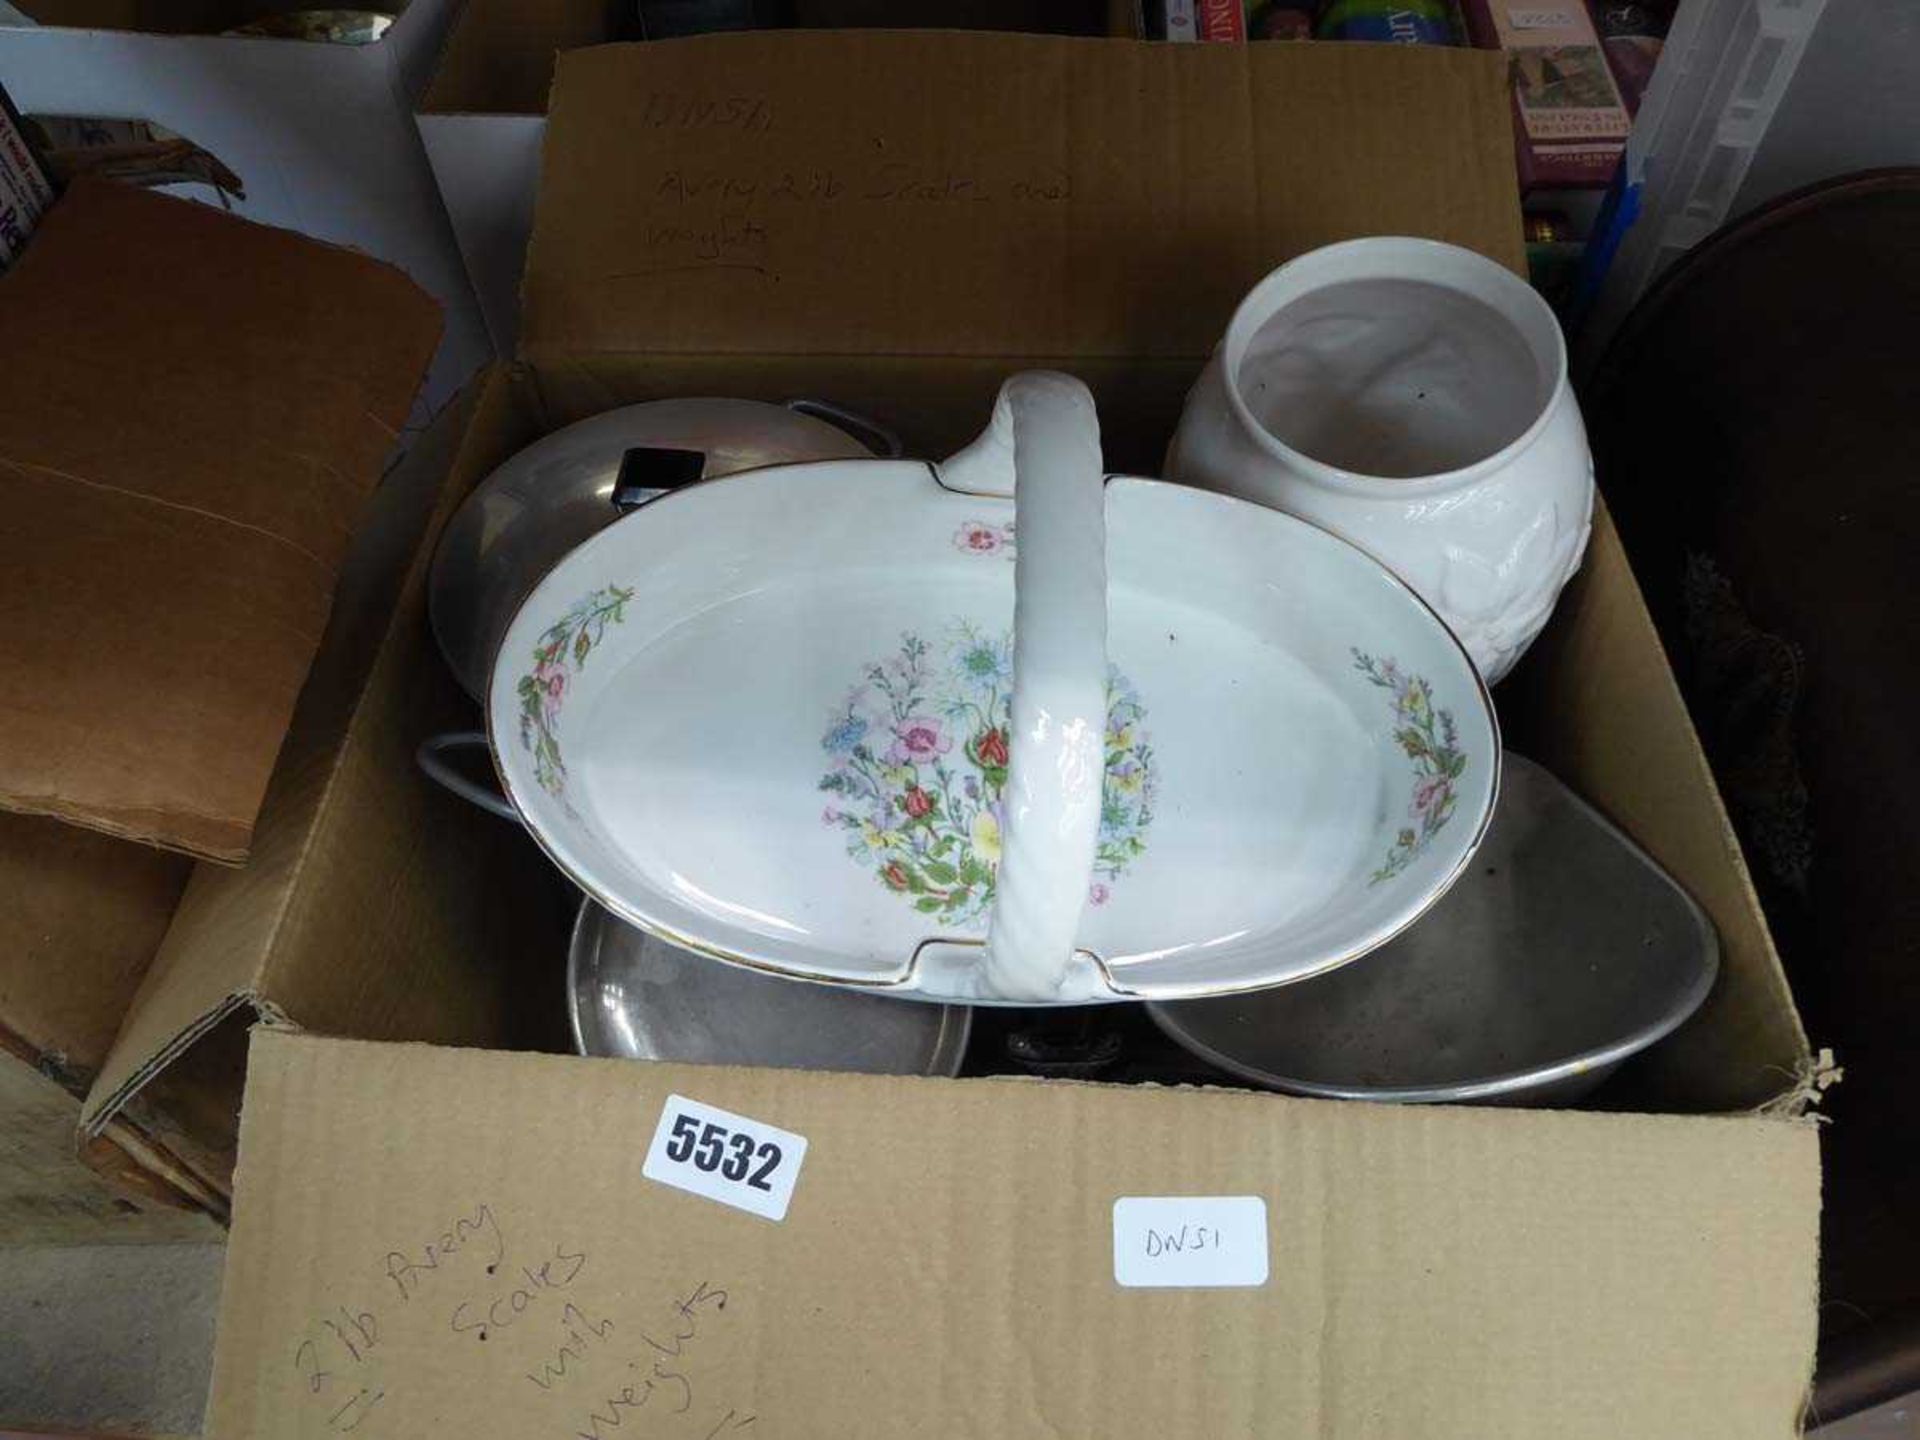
(482, 115)
(128, 975)
(177, 513)
(463, 1243)
(123, 1008)
(918, 308)
(321, 136)
(374, 904)
(947, 1265)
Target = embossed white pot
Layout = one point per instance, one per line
(1412, 397)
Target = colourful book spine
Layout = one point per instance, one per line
(1388, 22)
(1570, 120)
(25, 192)
(1222, 20)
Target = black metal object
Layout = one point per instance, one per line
(649, 471)
(1754, 425)
(1115, 1043)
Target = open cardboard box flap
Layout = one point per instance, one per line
(1041, 196)
(196, 411)
(292, 363)
(910, 215)
(373, 905)
(462, 1243)
(317, 138)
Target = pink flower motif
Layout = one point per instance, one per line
(1430, 793)
(1098, 893)
(918, 738)
(977, 538)
(830, 815)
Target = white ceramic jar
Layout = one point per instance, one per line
(1412, 397)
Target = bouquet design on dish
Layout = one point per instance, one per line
(918, 771)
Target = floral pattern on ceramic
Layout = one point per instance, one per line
(562, 651)
(919, 756)
(977, 537)
(1432, 742)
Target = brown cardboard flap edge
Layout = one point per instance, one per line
(102, 1109)
(141, 1166)
(947, 1264)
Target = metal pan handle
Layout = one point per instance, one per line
(870, 433)
(430, 757)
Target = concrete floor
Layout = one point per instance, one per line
(114, 1338)
(119, 1339)
(1896, 1420)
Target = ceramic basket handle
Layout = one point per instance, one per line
(1044, 440)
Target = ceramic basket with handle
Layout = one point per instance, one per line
(997, 729)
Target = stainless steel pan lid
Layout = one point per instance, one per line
(547, 498)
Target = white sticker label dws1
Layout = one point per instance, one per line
(1189, 1241)
(714, 1153)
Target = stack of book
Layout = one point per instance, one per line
(25, 190)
